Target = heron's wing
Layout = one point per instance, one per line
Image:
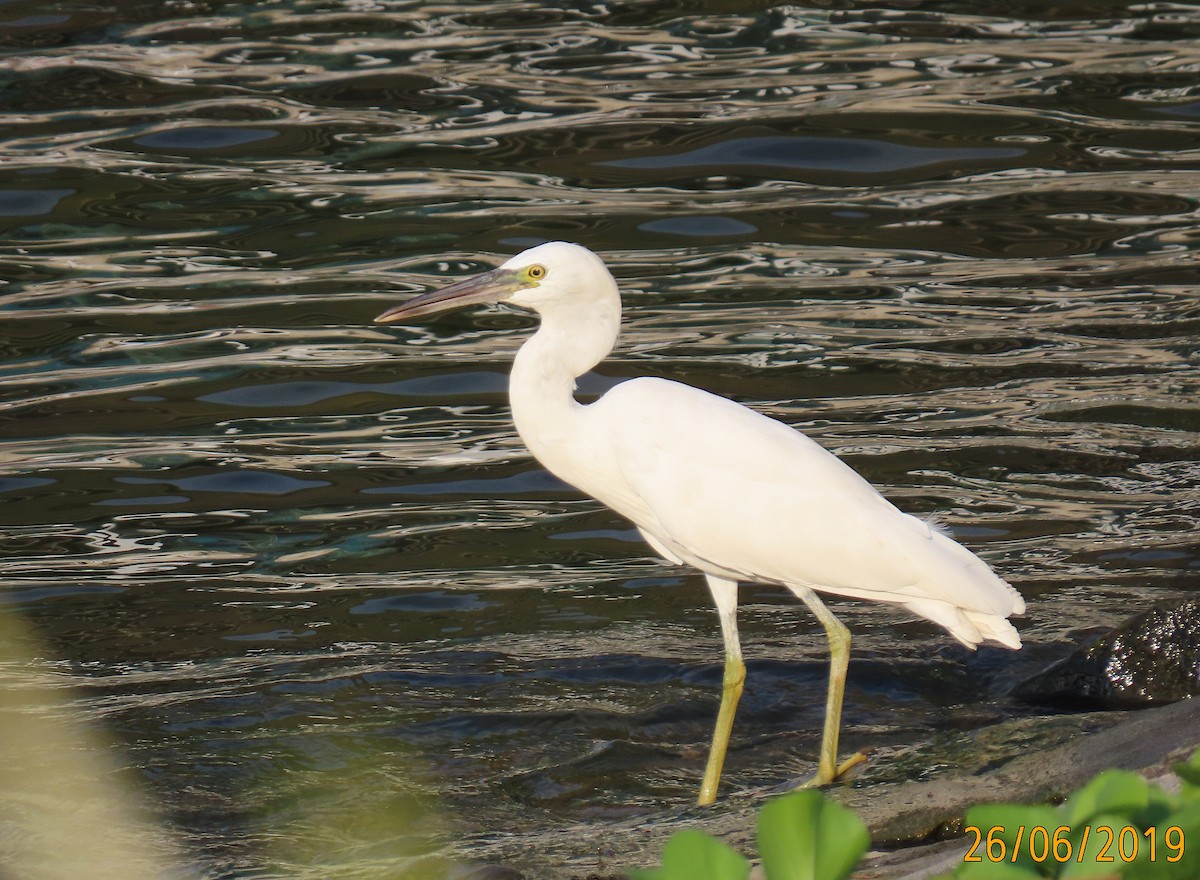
(731, 489)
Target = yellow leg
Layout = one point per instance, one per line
(839, 661)
(725, 595)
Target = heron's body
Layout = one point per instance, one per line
(712, 484)
(741, 496)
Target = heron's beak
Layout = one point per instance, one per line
(494, 286)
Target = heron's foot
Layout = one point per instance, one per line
(818, 780)
(849, 764)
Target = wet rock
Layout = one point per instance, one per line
(1151, 659)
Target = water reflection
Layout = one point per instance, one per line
(851, 155)
(204, 138)
(717, 227)
(31, 202)
(277, 542)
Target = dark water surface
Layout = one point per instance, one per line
(301, 567)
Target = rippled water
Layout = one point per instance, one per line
(300, 565)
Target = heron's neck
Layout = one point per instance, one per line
(569, 342)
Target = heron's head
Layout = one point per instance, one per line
(549, 275)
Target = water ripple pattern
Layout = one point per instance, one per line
(274, 545)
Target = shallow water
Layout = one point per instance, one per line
(300, 566)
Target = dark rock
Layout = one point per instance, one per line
(1151, 659)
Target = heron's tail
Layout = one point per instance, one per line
(994, 629)
(969, 627)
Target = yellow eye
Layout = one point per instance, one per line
(536, 272)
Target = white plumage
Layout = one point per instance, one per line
(740, 495)
(712, 484)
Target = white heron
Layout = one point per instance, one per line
(714, 485)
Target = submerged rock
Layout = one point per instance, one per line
(1151, 659)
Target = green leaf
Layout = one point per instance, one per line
(1176, 850)
(693, 855)
(1113, 791)
(1103, 839)
(1003, 829)
(806, 836)
(1189, 772)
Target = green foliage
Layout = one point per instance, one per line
(801, 836)
(1190, 774)
(1116, 826)
(806, 836)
